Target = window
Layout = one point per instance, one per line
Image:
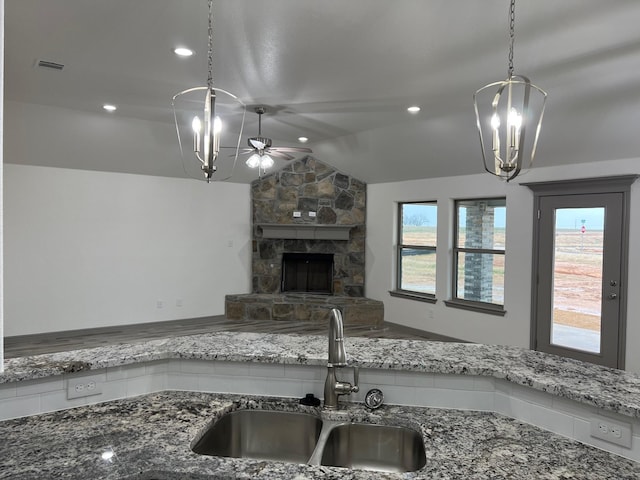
(416, 255)
(478, 255)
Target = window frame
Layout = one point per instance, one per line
(455, 301)
(400, 247)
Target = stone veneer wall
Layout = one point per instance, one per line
(307, 186)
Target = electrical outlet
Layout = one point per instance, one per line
(159, 304)
(83, 387)
(297, 214)
(613, 431)
(179, 302)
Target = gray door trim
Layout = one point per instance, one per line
(612, 184)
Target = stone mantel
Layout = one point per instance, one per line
(305, 231)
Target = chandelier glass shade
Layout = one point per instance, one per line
(208, 116)
(509, 118)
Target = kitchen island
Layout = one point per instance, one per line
(150, 431)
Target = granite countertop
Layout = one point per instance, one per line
(150, 438)
(602, 387)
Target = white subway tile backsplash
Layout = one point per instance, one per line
(8, 390)
(303, 372)
(197, 367)
(159, 366)
(271, 370)
(173, 365)
(572, 408)
(317, 388)
(369, 376)
(211, 383)
(551, 420)
(40, 386)
(520, 409)
(435, 397)
(182, 381)
(231, 368)
(475, 400)
(552, 413)
(532, 396)
(113, 390)
(52, 401)
(453, 382)
(283, 388)
(484, 384)
(503, 386)
(118, 373)
(244, 385)
(146, 384)
(19, 406)
(398, 394)
(414, 379)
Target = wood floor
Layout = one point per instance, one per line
(20, 346)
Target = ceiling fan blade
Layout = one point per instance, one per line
(277, 154)
(257, 144)
(245, 151)
(292, 149)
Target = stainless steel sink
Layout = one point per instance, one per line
(374, 447)
(263, 435)
(304, 438)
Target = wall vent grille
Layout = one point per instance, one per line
(47, 64)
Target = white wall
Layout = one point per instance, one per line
(514, 327)
(90, 249)
(1, 181)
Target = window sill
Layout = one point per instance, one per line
(419, 297)
(476, 307)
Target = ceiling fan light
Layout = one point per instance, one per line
(253, 161)
(266, 162)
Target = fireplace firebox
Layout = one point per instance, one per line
(307, 272)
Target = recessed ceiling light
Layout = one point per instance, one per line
(303, 139)
(109, 108)
(183, 51)
(413, 109)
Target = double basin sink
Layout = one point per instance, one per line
(305, 438)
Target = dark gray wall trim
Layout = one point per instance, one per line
(413, 296)
(615, 183)
(611, 184)
(476, 307)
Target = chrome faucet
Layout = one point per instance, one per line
(337, 359)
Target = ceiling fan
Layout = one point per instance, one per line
(262, 151)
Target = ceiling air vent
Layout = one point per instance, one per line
(48, 64)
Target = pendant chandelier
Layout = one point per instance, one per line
(223, 117)
(509, 117)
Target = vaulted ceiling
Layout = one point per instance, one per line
(341, 73)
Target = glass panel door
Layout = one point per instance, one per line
(577, 278)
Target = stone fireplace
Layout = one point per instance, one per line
(307, 208)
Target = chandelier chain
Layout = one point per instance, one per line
(210, 49)
(512, 36)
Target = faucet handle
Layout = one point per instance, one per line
(356, 377)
